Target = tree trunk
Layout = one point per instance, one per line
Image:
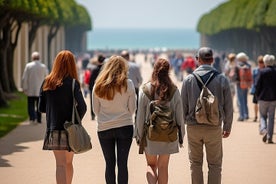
(52, 33)
(10, 56)
(33, 27)
(4, 43)
(3, 100)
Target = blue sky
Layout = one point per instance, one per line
(147, 13)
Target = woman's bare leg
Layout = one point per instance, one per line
(64, 166)
(151, 169)
(256, 110)
(163, 165)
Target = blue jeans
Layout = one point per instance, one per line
(116, 139)
(267, 114)
(33, 111)
(242, 102)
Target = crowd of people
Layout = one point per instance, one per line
(122, 109)
(260, 83)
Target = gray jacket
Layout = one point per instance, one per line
(134, 74)
(219, 86)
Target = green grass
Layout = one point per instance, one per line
(15, 113)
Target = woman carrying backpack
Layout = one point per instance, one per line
(157, 152)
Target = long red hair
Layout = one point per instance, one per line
(64, 66)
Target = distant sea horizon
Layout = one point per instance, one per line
(143, 39)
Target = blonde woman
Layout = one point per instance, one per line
(114, 103)
(56, 101)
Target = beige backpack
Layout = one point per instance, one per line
(206, 110)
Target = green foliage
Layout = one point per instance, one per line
(63, 12)
(66, 10)
(246, 14)
(270, 17)
(15, 113)
(84, 19)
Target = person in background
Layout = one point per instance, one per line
(97, 62)
(208, 135)
(33, 76)
(114, 103)
(217, 64)
(231, 73)
(188, 65)
(86, 79)
(255, 73)
(242, 93)
(56, 100)
(158, 153)
(266, 95)
(134, 74)
(176, 64)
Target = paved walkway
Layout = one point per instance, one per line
(247, 160)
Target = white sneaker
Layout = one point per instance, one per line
(263, 132)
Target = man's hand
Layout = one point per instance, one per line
(225, 134)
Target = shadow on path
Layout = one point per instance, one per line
(24, 133)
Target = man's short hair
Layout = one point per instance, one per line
(35, 56)
(125, 54)
(269, 60)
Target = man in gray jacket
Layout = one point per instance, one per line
(202, 134)
(134, 74)
(33, 76)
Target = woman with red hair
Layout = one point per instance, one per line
(56, 100)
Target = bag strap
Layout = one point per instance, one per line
(200, 82)
(73, 110)
(172, 91)
(75, 113)
(147, 92)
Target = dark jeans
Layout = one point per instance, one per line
(110, 140)
(91, 105)
(33, 111)
(137, 98)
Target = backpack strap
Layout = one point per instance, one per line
(147, 92)
(172, 91)
(201, 83)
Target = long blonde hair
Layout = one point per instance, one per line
(112, 78)
(64, 66)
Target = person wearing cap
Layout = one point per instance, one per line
(33, 76)
(242, 92)
(208, 135)
(98, 62)
(266, 95)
